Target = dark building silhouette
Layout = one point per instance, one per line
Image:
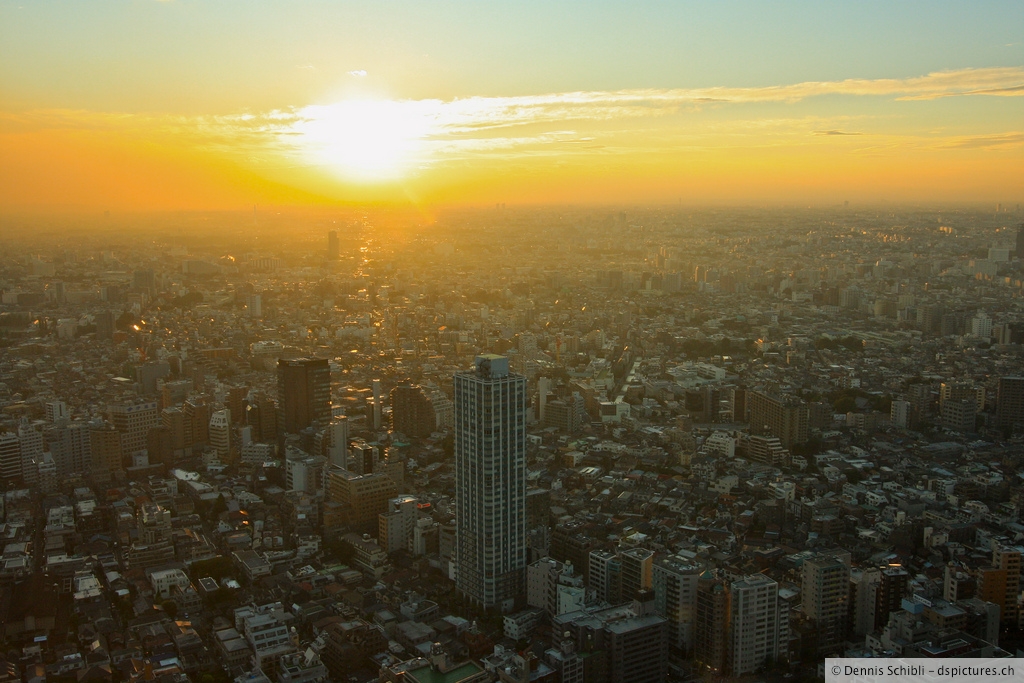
(1010, 403)
(333, 246)
(412, 412)
(784, 417)
(105, 325)
(303, 394)
(711, 621)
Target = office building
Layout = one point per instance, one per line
(31, 442)
(57, 412)
(899, 413)
(826, 593)
(605, 577)
(395, 526)
(711, 621)
(411, 411)
(554, 587)
(69, 445)
(490, 482)
(220, 434)
(637, 571)
(363, 457)
(572, 542)
(196, 421)
(303, 394)
(104, 325)
(568, 414)
(10, 457)
(757, 634)
(959, 414)
(133, 420)
(303, 472)
(1000, 583)
(624, 644)
(261, 415)
(962, 390)
(1010, 404)
(336, 442)
(874, 594)
(105, 451)
(783, 417)
(362, 497)
(333, 246)
(675, 597)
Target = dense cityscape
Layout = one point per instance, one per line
(509, 444)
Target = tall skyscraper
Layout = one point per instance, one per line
(303, 394)
(333, 246)
(490, 482)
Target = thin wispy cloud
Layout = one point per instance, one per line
(420, 133)
(1011, 139)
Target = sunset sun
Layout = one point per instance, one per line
(364, 140)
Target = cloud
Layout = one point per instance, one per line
(553, 123)
(473, 115)
(1011, 139)
(358, 73)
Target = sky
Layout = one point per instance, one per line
(208, 105)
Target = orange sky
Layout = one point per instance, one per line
(147, 107)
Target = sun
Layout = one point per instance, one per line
(366, 140)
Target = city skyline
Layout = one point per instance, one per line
(180, 106)
(493, 343)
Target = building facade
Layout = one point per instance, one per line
(303, 393)
(490, 482)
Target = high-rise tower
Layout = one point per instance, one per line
(826, 599)
(758, 624)
(1010, 403)
(303, 394)
(333, 246)
(490, 482)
